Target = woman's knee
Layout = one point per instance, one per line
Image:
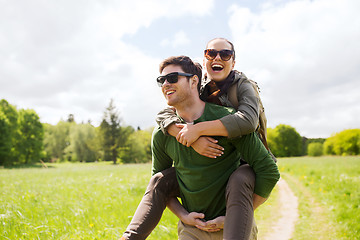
(164, 182)
(244, 176)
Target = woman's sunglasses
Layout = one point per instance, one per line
(225, 54)
(171, 77)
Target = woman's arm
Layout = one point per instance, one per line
(205, 146)
(246, 118)
(167, 117)
(191, 132)
(242, 122)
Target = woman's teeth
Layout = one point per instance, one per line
(217, 67)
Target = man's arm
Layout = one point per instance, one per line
(257, 156)
(257, 201)
(194, 218)
(160, 159)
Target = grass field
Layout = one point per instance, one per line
(97, 200)
(328, 191)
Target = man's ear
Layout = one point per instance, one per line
(194, 81)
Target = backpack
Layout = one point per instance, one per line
(262, 125)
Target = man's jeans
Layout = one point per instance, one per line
(163, 185)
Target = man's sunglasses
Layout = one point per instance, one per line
(225, 54)
(171, 77)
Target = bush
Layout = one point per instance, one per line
(346, 142)
(284, 141)
(315, 149)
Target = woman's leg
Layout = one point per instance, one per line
(239, 204)
(162, 186)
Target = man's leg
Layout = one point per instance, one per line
(239, 204)
(162, 186)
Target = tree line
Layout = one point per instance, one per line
(285, 141)
(24, 139)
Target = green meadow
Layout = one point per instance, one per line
(328, 191)
(97, 200)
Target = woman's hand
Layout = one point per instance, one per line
(188, 134)
(208, 147)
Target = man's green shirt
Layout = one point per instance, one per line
(203, 180)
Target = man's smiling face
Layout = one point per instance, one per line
(175, 93)
(217, 69)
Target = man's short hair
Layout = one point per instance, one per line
(186, 64)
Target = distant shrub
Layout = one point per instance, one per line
(315, 149)
(343, 143)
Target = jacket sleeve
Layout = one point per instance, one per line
(256, 155)
(246, 118)
(167, 117)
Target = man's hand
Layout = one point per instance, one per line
(208, 147)
(194, 219)
(188, 134)
(214, 225)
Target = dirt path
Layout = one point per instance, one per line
(284, 227)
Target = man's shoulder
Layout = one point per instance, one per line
(221, 110)
(158, 136)
(157, 133)
(214, 112)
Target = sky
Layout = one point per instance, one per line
(72, 57)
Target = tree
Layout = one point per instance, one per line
(138, 147)
(71, 118)
(5, 135)
(284, 141)
(56, 139)
(30, 141)
(8, 132)
(81, 146)
(111, 131)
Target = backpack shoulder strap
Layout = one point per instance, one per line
(232, 92)
(233, 95)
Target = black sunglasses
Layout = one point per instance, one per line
(171, 77)
(225, 54)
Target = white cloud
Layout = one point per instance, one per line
(68, 57)
(305, 56)
(179, 39)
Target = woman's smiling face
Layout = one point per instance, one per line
(217, 69)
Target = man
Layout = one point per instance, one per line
(205, 189)
(220, 77)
